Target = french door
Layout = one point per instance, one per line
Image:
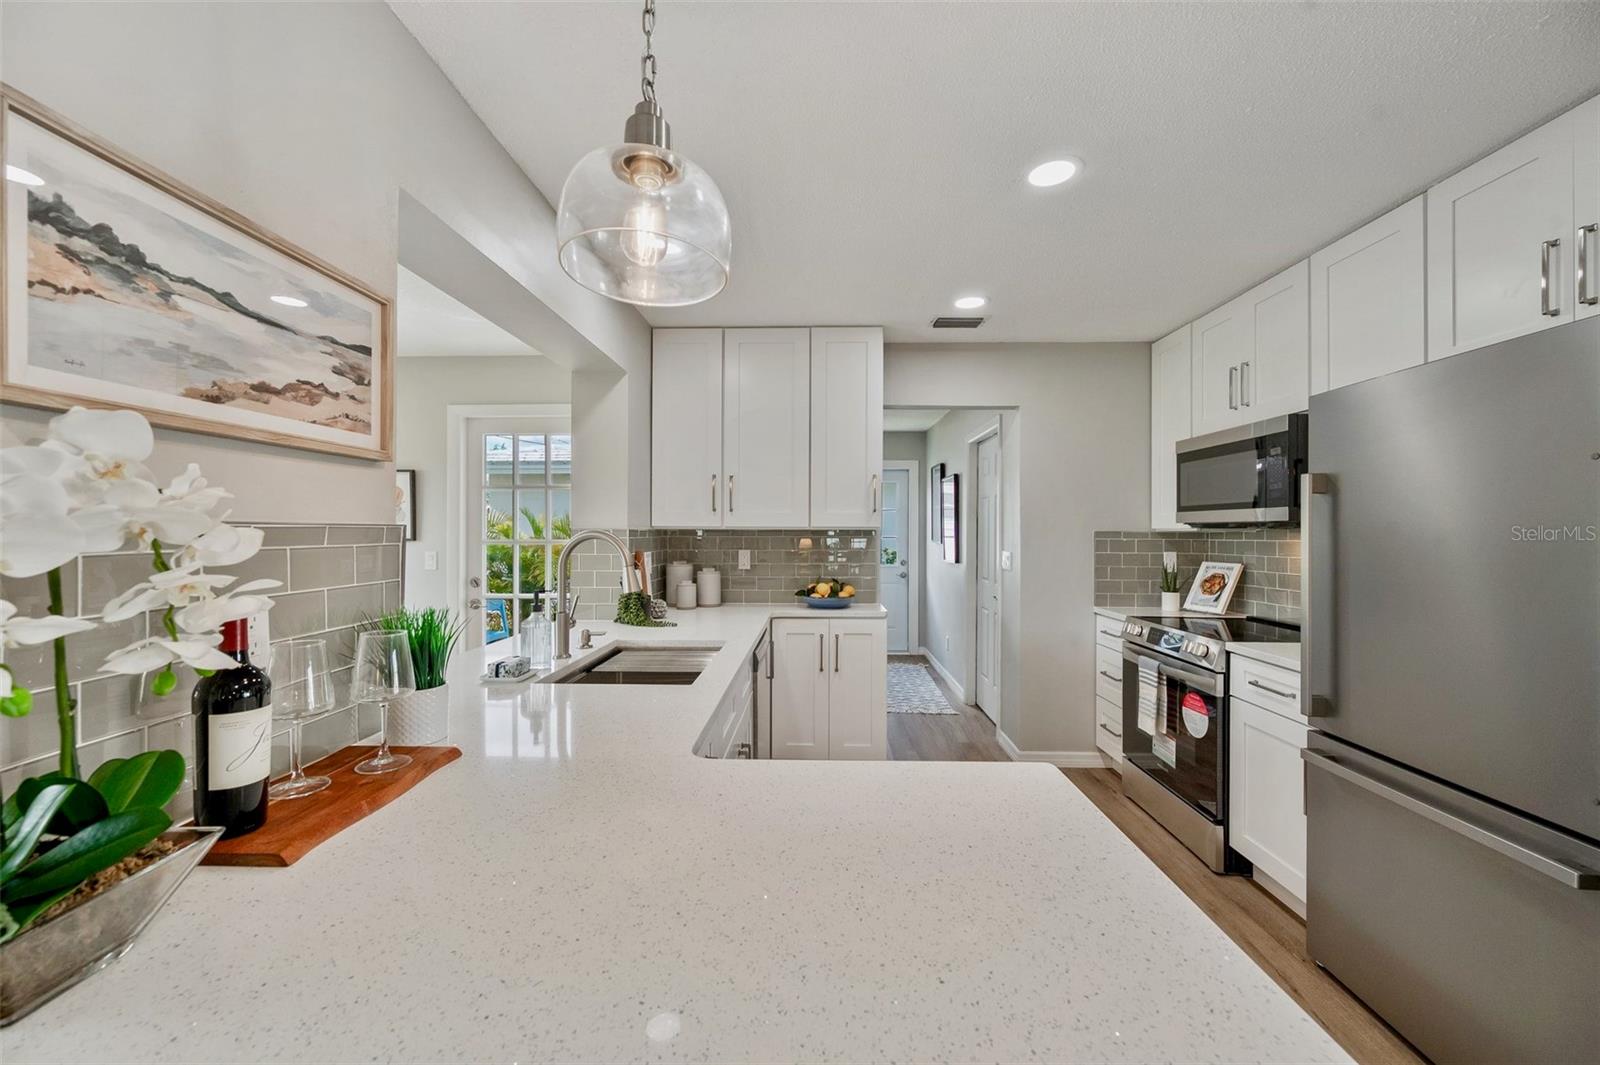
(519, 500)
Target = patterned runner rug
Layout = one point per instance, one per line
(913, 691)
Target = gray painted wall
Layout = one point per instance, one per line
(1082, 447)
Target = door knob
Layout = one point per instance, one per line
(474, 604)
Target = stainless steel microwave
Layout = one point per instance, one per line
(1247, 475)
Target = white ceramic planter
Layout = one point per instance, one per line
(421, 718)
(1171, 602)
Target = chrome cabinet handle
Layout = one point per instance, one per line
(1573, 876)
(713, 493)
(1269, 688)
(730, 493)
(822, 652)
(1592, 230)
(1244, 383)
(1547, 308)
(1109, 731)
(1109, 676)
(874, 493)
(1233, 374)
(836, 652)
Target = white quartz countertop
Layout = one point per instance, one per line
(580, 887)
(1286, 655)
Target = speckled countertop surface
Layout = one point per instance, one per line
(579, 887)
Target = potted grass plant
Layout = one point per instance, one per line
(1171, 587)
(422, 717)
(87, 858)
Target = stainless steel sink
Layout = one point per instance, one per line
(641, 665)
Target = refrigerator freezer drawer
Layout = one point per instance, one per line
(1472, 931)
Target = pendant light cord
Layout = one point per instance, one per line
(647, 62)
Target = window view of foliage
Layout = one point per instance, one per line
(531, 556)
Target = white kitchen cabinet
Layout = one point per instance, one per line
(1170, 422)
(1108, 729)
(686, 428)
(1266, 789)
(1369, 303)
(766, 428)
(1251, 356)
(1586, 200)
(829, 688)
(1501, 239)
(846, 427)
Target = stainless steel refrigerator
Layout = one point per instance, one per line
(1452, 649)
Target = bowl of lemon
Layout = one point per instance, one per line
(826, 594)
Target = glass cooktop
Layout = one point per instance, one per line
(1230, 629)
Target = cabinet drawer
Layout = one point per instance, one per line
(1267, 686)
(1108, 631)
(1108, 728)
(1108, 674)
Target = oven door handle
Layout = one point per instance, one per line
(1210, 683)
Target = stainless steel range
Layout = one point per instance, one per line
(1175, 723)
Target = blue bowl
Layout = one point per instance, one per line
(828, 604)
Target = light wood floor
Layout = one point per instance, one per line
(966, 736)
(1272, 936)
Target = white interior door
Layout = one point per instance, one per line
(518, 481)
(895, 544)
(987, 565)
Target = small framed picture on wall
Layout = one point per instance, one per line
(405, 501)
(935, 507)
(1213, 587)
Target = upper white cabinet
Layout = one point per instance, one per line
(1502, 237)
(766, 428)
(686, 428)
(1251, 355)
(846, 427)
(1170, 422)
(1586, 197)
(1369, 300)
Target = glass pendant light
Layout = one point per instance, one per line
(639, 222)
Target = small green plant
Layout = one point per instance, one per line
(633, 609)
(60, 831)
(432, 633)
(1169, 578)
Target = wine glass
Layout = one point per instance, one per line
(383, 672)
(301, 688)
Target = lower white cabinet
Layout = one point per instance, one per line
(1266, 794)
(830, 688)
(1108, 728)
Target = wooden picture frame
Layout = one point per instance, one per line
(935, 522)
(405, 501)
(313, 369)
(950, 516)
(1213, 587)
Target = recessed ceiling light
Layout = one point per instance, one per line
(290, 301)
(1053, 173)
(970, 303)
(21, 176)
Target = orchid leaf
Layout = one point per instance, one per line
(37, 816)
(97, 847)
(15, 919)
(148, 779)
(83, 807)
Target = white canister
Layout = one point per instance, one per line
(677, 573)
(685, 595)
(709, 582)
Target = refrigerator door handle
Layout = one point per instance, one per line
(1567, 874)
(1316, 594)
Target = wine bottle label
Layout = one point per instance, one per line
(240, 748)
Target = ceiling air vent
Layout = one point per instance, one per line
(956, 321)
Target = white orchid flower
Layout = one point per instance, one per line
(155, 653)
(26, 632)
(189, 489)
(174, 588)
(225, 545)
(208, 615)
(110, 444)
(36, 532)
(148, 514)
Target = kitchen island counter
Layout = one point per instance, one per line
(579, 886)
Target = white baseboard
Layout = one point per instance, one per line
(1062, 759)
(938, 667)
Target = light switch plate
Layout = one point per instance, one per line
(1005, 560)
(744, 559)
(430, 560)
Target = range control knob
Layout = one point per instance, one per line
(1203, 650)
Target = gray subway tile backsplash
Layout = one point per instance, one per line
(333, 588)
(1127, 567)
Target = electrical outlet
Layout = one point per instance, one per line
(430, 560)
(744, 559)
(1005, 561)
(260, 640)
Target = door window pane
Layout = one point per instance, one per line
(497, 563)
(496, 460)
(560, 513)
(497, 524)
(530, 514)
(531, 559)
(561, 459)
(496, 620)
(530, 460)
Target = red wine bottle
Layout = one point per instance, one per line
(233, 740)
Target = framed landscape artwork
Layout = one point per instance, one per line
(121, 287)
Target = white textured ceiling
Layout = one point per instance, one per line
(911, 419)
(431, 322)
(873, 155)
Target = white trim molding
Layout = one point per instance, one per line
(913, 548)
(938, 667)
(1063, 759)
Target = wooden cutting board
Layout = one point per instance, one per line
(294, 826)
